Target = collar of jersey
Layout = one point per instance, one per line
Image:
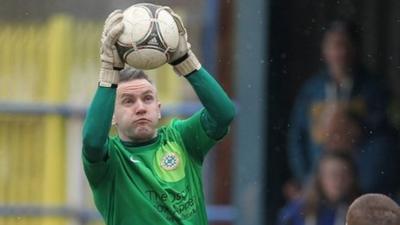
(141, 145)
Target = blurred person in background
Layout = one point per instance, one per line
(344, 107)
(373, 209)
(145, 174)
(325, 201)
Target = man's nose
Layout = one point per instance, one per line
(140, 108)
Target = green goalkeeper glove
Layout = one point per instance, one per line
(111, 64)
(183, 60)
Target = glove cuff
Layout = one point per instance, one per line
(187, 66)
(108, 78)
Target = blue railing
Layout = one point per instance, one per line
(184, 109)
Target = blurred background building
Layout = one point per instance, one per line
(262, 51)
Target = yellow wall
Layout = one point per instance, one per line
(55, 62)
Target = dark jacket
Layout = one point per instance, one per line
(376, 152)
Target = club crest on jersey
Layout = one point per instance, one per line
(170, 161)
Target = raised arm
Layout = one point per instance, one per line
(99, 116)
(218, 108)
(203, 129)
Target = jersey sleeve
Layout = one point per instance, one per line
(196, 140)
(95, 142)
(99, 171)
(219, 110)
(203, 129)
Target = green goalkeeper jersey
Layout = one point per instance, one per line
(158, 182)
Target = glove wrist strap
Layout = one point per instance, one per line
(187, 66)
(108, 78)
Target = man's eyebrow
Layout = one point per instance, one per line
(148, 92)
(126, 95)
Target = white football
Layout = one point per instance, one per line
(150, 35)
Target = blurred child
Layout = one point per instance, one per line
(328, 195)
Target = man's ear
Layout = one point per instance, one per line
(113, 121)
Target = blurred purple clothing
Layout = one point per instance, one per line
(293, 214)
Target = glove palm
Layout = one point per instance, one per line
(110, 61)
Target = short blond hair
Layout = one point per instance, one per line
(373, 209)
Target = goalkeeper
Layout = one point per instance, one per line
(147, 175)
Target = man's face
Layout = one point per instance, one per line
(336, 179)
(337, 50)
(137, 110)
